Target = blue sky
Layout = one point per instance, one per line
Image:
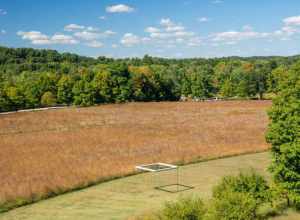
(165, 28)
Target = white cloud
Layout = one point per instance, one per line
(63, 39)
(232, 36)
(36, 37)
(174, 28)
(3, 12)
(152, 30)
(169, 34)
(289, 30)
(166, 22)
(194, 42)
(285, 33)
(95, 44)
(109, 33)
(102, 17)
(160, 35)
(203, 19)
(32, 35)
(86, 35)
(130, 39)
(73, 27)
(294, 20)
(91, 34)
(184, 34)
(120, 8)
(3, 31)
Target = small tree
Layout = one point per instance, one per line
(48, 99)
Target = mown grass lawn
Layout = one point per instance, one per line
(134, 195)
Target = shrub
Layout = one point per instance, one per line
(48, 99)
(189, 208)
(233, 205)
(240, 197)
(251, 183)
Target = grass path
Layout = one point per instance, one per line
(122, 198)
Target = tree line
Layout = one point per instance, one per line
(31, 78)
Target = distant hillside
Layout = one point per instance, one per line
(31, 78)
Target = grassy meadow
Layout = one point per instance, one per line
(53, 151)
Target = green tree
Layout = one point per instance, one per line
(64, 90)
(84, 93)
(227, 89)
(284, 134)
(277, 75)
(15, 98)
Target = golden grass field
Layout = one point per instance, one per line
(50, 151)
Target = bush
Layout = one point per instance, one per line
(191, 208)
(233, 205)
(240, 197)
(251, 183)
(48, 99)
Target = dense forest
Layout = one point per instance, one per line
(31, 78)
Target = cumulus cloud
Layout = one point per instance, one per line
(92, 33)
(170, 33)
(290, 21)
(168, 29)
(38, 38)
(108, 33)
(87, 35)
(95, 44)
(233, 36)
(120, 8)
(174, 28)
(73, 27)
(152, 30)
(130, 39)
(285, 32)
(166, 22)
(194, 42)
(63, 39)
(114, 45)
(3, 12)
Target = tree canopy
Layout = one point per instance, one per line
(27, 74)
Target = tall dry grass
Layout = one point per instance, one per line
(57, 150)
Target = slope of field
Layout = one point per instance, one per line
(133, 196)
(62, 149)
